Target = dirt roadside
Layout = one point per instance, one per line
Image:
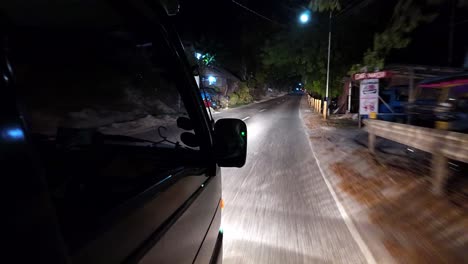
(398, 217)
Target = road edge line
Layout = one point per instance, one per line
(348, 221)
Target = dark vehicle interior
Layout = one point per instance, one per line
(109, 115)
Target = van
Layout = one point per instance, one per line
(107, 152)
(395, 98)
(442, 102)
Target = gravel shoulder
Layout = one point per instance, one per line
(389, 202)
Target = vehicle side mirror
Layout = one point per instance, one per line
(185, 123)
(189, 139)
(230, 142)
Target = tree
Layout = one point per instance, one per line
(324, 5)
(407, 16)
(301, 55)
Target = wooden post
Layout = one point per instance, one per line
(412, 92)
(350, 89)
(325, 109)
(439, 167)
(440, 173)
(371, 142)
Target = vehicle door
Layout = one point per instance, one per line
(101, 102)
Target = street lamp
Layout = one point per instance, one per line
(304, 17)
(211, 79)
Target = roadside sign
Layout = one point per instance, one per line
(369, 96)
(372, 75)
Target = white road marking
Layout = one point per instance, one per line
(348, 221)
(262, 110)
(245, 118)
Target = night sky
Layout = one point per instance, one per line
(223, 23)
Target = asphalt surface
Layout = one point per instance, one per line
(278, 208)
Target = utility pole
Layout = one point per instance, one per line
(327, 101)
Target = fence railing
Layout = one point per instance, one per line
(316, 104)
(442, 144)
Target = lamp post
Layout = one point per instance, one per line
(304, 18)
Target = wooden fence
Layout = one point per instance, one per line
(442, 144)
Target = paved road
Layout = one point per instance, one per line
(278, 207)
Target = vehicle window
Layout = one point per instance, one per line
(115, 83)
(402, 94)
(91, 99)
(462, 104)
(385, 98)
(402, 98)
(459, 91)
(430, 94)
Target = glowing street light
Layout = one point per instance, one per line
(304, 17)
(211, 80)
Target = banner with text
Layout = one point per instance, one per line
(369, 96)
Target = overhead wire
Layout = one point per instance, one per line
(353, 5)
(256, 13)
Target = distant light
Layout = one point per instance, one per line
(304, 17)
(13, 134)
(300, 83)
(198, 55)
(211, 80)
(297, 89)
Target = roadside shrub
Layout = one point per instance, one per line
(241, 96)
(244, 94)
(233, 99)
(224, 102)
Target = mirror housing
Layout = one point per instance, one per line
(185, 123)
(230, 142)
(189, 139)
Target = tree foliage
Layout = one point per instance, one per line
(301, 54)
(324, 5)
(407, 16)
(206, 59)
(241, 96)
